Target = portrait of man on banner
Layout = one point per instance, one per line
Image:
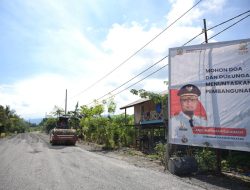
(187, 112)
(209, 95)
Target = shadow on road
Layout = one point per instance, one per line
(219, 180)
(58, 147)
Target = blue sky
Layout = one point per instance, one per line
(48, 46)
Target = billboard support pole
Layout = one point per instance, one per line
(218, 151)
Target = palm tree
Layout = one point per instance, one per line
(75, 117)
(57, 111)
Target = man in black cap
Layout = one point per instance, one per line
(186, 120)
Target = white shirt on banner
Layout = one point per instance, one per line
(182, 130)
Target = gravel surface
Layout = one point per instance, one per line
(29, 162)
(138, 159)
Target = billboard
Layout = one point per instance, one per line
(209, 95)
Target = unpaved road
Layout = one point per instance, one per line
(28, 161)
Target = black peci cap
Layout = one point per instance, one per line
(189, 89)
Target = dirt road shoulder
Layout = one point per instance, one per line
(138, 159)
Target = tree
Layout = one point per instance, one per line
(3, 119)
(75, 117)
(109, 131)
(88, 125)
(49, 123)
(57, 111)
(10, 121)
(95, 110)
(111, 105)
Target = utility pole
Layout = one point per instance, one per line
(66, 103)
(205, 30)
(218, 151)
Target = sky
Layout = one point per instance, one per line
(49, 46)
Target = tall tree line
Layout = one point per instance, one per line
(10, 122)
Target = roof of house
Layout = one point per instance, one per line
(140, 101)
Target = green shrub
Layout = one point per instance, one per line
(49, 124)
(160, 149)
(206, 159)
(225, 165)
(109, 131)
(239, 161)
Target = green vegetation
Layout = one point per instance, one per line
(161, 152)
(236, 161)
(206, 159)
(114, 131)
(47, 124)
(10, 122)
(111, 130)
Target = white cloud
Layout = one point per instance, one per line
(78, 62)
(181, 6)
(125, 39)
(155, 85)
(178, 8)
(34, 96)
(214, 5)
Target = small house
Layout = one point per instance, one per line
(149, 122)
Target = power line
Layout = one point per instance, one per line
(141, 79)
(167, 56)
(228, 27)
(185, 43)
(182, 46)
(133, 77)
(192, 39)
(141, 73)
(224, 22)
(228, 20)
(134, 83)
(135, 53)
